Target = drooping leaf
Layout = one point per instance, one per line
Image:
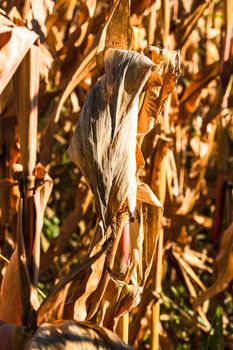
(42, 193)
(160, 85)
(14, 43)
(11, 310)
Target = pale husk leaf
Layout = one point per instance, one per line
(70, 335)
(104, 143)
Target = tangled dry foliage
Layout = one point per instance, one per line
(136, 238)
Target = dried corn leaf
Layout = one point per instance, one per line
(104, 143)
(41, 196)
(124, 297)
(152, 212)
(89, 8)
(161, 83)
(193, 259)
(14, 44)
(184, 265)
(11, 309)
(200, 80)
(145, 195)
(224, 265)
(38, 14)
(191, 289)
(124, 290)
(53, 307)
(114, 36)
(186, 27)
(117, 32)
(91, 282)
(56, 291)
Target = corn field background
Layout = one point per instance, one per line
(116, 174)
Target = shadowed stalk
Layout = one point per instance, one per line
(27, 89)
(158, 185)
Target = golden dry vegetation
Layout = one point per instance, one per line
(116, 186)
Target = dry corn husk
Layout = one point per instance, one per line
(104, 143)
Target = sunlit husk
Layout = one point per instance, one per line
(104, 142)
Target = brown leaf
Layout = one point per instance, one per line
(41, 196)
(53, 308)
(145, 195)
(188, 24)
(123, 293)
(161, 83)
(191, 289)
(14, 43)
(11, 308)
(99, 276)
(200, 80)
(54, 293)
(117, 32)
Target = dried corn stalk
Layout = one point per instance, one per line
(104, 148)
(20, 46)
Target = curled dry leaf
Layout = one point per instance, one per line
(161, 83)
(104, 143)
(145, 195)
